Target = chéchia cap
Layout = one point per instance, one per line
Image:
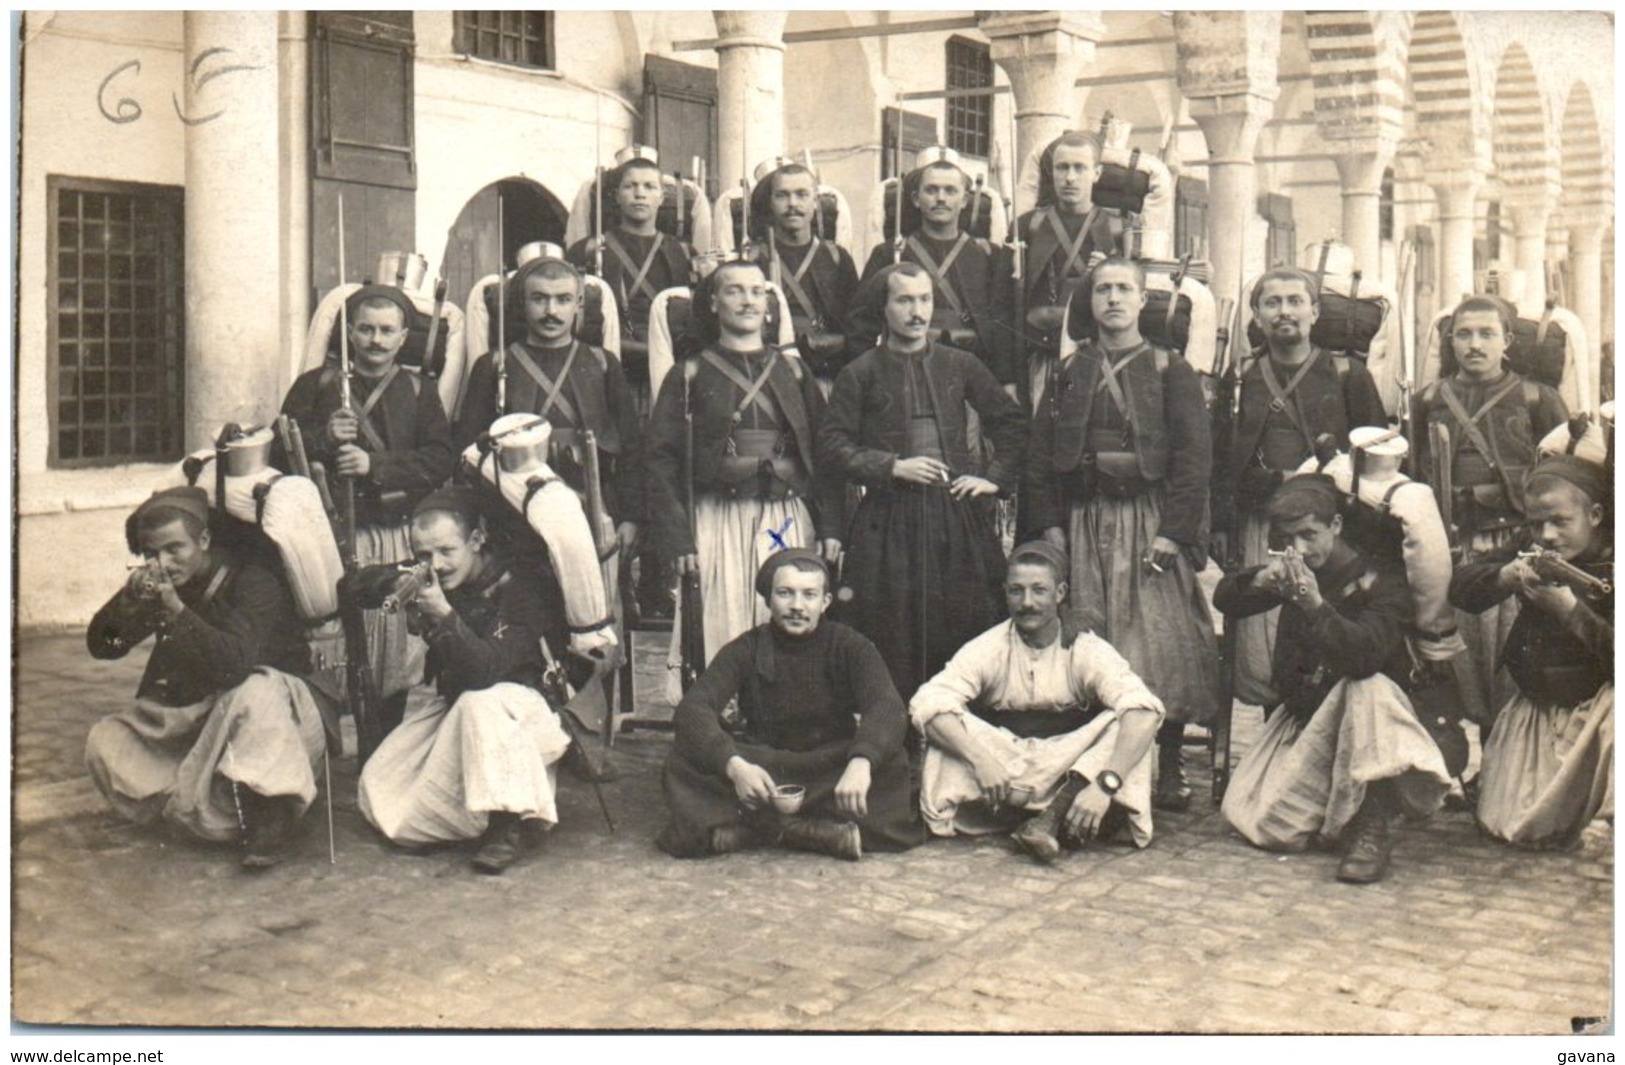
(799, 556)
(1045, 552)
(352, 303)
(188, 499)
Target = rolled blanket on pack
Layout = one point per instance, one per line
(1425, 547)
(515, 465)
(287, 509)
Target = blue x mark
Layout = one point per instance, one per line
(778, 536)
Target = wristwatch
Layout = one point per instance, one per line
(1108, 782)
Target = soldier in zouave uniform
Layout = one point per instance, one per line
(756, 484)
(639, 262)
(395, 443)
(1549, 759)
(1291, 393)
(970, 278)
(472, 756)
(577, 387)
(1496, 418)
(924, 558)
(226, 736)
(1117, 473)
(816, 274)
(1344, 755)
(1058, 237)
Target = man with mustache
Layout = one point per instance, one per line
(924, 560)
(226, 737)
(1037, 723)
(1291, 393)
(753, 413)
(1549, 761)
(1059, 236)
(472, 757)
(575, 386)
(1496, 417)
(817, 275)
(970, 277)
(1344, 754)
(394, 443)
(1118, 476)
(639, 262)
(815, 710)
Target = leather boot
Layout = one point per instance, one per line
(742, 836)
(838, 839)
(1040, 835)
(1365, 861)
(1173, 790)
(499, 846)
(267, 827)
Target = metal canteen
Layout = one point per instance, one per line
(403, 269)
(250, 453)
(521, 442)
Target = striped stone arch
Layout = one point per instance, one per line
(1452, 112)
(1588, 186)
(1527, 149)
(1357, 63)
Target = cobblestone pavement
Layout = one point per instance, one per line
(1199, 933)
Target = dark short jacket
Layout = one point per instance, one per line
(1172, 439)
(864, 432)
(713, 399)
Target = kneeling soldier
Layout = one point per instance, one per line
(225, 736)
(1345, 753)
(474, 754)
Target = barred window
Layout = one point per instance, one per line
(524, 38)
(970, 118)
(117, 328)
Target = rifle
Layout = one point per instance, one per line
(1443, 487)
(1407, 360)
(691, 641)
(1225, 385)
(502, 317)
(1552, 569)
(293, 444)
(897, 171)
(434, 365)
(1025, 381)
(360, 686)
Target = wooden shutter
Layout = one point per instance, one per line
(919, 131)
(362, 142)
(680, 116)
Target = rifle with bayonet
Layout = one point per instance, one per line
(691, 640)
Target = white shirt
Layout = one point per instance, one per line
(999, 670)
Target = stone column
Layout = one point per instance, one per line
(1360, 171)
(229, 106)
(1231, 125)
(1585, 270)
(750, 92)
(1227, 73)
(1531, 211)
(1455, 191)
(1042, 53)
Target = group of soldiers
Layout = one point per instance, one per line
(870, 663)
